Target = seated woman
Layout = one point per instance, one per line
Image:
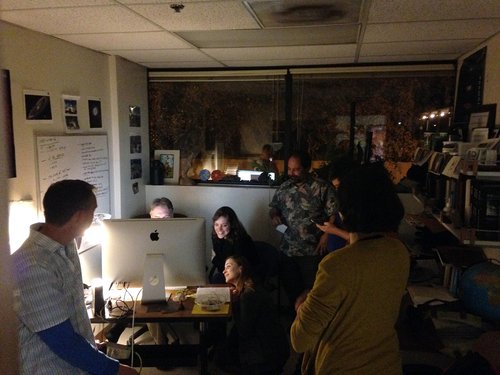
(257, 343)
(161, 208)
(346, 323)
(229, 237)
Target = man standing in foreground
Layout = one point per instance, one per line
(298, 203)
(55, 335)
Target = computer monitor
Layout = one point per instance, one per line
(129, 243)
(250, 175)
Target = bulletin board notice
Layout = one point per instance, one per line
(82, 157)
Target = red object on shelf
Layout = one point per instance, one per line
(217, 175)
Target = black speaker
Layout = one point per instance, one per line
(157, 173)
(98, 300)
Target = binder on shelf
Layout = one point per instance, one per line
(452, 168)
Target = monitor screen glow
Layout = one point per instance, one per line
(250, 175)
(181, 241)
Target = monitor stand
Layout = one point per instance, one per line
(153, 290)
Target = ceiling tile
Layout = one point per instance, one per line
(407, 58)
(409, 30)
(416, 48)
(220, 15)
(31, 4)
(340, 34)
(433, 30)
(421, 10)
(276, 53)
(183, 64)
(123, 41)
(289, 62)
(174, 55)
(131, 2)
(272, 13)
(79, 20)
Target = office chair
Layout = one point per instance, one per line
(269, 266)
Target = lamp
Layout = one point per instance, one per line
(94, 234)
(22, 214)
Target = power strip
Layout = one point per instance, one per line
(118, 351)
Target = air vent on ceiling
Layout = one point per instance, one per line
(308, 13)
(283, 13)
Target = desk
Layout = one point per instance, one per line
(155, 355)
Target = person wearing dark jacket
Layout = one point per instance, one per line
(229, 237)
(257, 343)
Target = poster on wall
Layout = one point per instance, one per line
(70, 113)
(134, 114)
(135, 169)
(135, 144)
(6, 126)
(95, 117)
(37, 106)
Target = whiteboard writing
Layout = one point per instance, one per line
(82, 157)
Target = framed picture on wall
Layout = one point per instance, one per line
(482, 116)
(70, 113)
(37, 106)
(95, 117)
(134, 115)
(171, 162)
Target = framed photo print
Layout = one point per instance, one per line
(37, 106)
(70, 113)
(482, 117)
(135, 169)
(95, 119)
(171, 162)
(134, 115)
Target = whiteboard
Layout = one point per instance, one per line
(82, 157)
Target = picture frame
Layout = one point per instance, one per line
(482, 116)
(37, 107)
(70, 113)
(95, 115)
(134, 115)
(171, 162)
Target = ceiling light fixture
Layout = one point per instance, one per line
(177, 7)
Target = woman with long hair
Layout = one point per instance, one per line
(229, 237)
(257, 343)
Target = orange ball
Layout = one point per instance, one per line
(217, 175)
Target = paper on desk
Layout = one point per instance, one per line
(222, 294)
(423, 294)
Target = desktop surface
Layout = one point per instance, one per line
(127, 303)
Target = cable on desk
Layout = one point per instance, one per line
(140, 362)
(133, 325)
